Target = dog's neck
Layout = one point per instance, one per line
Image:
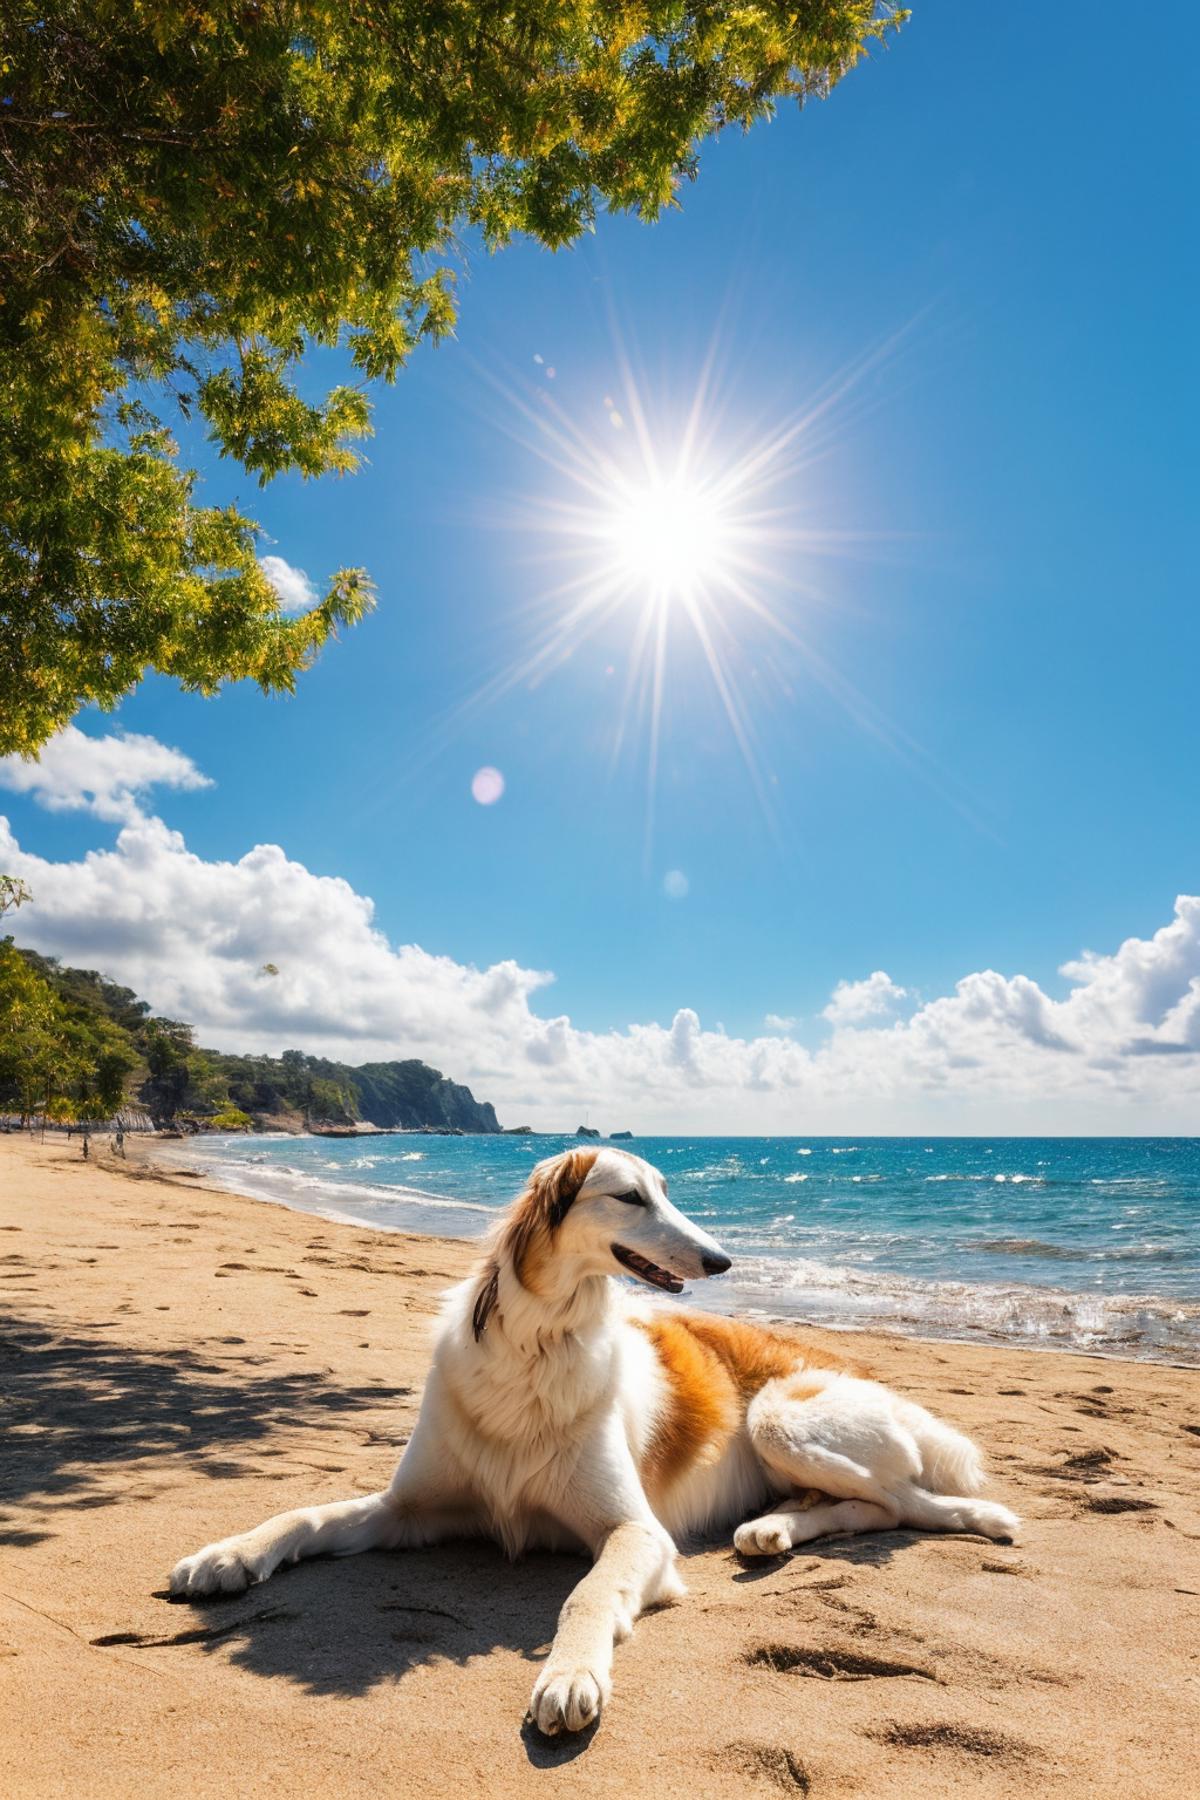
(561, 1307)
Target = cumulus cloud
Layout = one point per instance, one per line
(854, 1002)
(779, 1021)
(103, 776)
(1118, 1050)
(296, 592)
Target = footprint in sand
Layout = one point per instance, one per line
(769, 1767)
(973, 1740)
(832, 1665)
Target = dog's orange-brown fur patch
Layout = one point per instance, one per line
(713, 1368)
(701, 1411)
(804, 1387)
(755, 1354)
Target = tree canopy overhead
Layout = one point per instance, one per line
(193, 192)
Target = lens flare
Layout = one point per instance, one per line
(487, 786)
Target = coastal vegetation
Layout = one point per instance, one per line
(79, 1048)
(194, 196)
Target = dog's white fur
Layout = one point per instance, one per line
(549, 1411)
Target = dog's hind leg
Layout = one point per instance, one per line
(859, 1445)
(781, 1530)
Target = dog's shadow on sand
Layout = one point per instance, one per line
(343, 1628)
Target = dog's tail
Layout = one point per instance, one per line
(950, 1462)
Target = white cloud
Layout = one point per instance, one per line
(854, 1002)
(997, 1054)
(675, 884)
(296, 592)
(103, 776)
(779, 1021)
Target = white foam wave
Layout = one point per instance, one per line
(261, 1178)
(1127, 1324)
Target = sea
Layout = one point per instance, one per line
(1089, 1244)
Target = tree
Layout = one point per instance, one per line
(167, 1046)
(194, 192)
(231, 1118)
(56, 1056)
(28, 1013)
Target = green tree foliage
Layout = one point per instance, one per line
(58, 1054)
(194, 192)
(231, 1118)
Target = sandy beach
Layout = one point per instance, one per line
(179, 1362)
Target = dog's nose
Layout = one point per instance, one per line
(715, 1265)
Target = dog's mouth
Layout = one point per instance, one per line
(645, 1270)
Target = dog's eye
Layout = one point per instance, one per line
(632, 1198)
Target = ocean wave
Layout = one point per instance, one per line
(288, 1185)
(1154, 1252)
(1127, 1324)
(789, 1179)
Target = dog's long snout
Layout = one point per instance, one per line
(715, 1265)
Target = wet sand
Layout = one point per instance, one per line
(177, 1363)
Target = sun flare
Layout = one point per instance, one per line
(665, 524)
(668, 536)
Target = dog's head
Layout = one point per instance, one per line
(601, 1212)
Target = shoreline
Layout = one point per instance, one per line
(180, 1362)
(716, 1297)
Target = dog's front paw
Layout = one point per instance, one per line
(224, 1568)
(567, 1698)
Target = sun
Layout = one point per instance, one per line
(667, 536)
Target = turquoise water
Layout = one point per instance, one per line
(1086, 1243)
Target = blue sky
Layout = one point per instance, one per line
(1013, 200)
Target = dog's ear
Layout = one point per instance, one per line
(554, 1185)
(549, 1195)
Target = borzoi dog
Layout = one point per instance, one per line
(563, 1411)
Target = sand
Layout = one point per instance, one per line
(177, 1363)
